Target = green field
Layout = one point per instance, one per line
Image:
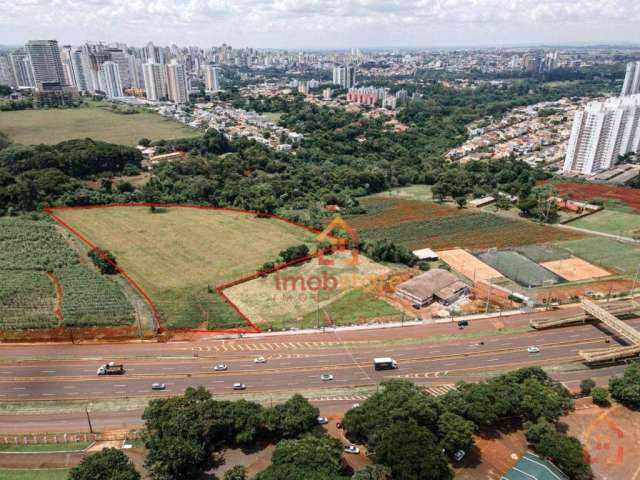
(180, 255)
(611, 221)
(57, 125)
(412, 192)
(274, 302)
(39, 474)
(33, 255)
(609, 254)
(44, 447)
(354, 307)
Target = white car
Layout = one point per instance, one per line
(326, 377)
(322, 420)
(533, 349)
(239, 386)
(158, 386)
(352, 449)
(459, 455)
(220, 368)
(260, 360)
(355, 405)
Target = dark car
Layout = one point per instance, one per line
(463, 323)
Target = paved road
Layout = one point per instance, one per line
(427, 354)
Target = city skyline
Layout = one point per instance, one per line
(306, 24)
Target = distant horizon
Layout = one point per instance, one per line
(506, 46)
(326, 24)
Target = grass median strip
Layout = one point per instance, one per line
(35, 474)
(43, 448)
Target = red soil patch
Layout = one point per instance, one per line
(57, 310)
(580, 191)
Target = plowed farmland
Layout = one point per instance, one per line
(417, 224)
(585, 191)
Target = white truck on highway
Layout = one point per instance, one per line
(384, 363)
(111, 369)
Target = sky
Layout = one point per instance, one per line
(300, 24)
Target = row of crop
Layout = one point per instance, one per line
(93, 299)
(26, 298)
(33, 245)
(383, 212)
(476, 231)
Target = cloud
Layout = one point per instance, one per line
(323, 22)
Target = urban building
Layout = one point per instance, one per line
(21, 66)
(631, 84)
(344, 75)
(154, 81)
(111, 79)
(46, 63)
(177, 83)
(6, 72)
(602, 132)
(211, 80)
(54, 94)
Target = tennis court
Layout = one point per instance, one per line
(468, 265)
(519, 268)
(575, 269)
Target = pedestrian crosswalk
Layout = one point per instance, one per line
(439, 390)
(347, 398)
(233, 346)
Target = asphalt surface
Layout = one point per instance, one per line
(427, 354)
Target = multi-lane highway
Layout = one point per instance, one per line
(430, 354)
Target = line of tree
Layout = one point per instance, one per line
(411, 433)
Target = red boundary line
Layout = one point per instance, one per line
(251, 327)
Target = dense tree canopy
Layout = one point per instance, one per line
(107, 464)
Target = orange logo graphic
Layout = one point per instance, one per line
(338, 243)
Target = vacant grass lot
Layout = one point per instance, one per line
(283, 300)
(609, 254)
(179, 255)
(610, 221)
(54, 126)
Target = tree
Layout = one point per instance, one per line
(586, 386)
(373, 472)
(237, 472)
(311, 457)
(626, 389)
(294, 252)
(397, 401)
(104, 260)
(461, 201)
(565, 452)
(600, 396)
(455, 432)
(291, 419)
(144, 142)
(181, 433)
(412, 453)
(4, 140)
(107, 464)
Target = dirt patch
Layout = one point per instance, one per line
(575, 269)
(588, 191)
(611, 437)
(57, 309)
(465, 263)
(493, 455)
(602, 288)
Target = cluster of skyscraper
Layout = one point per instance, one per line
(344, 75)
(605, 130)
(163, 74)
